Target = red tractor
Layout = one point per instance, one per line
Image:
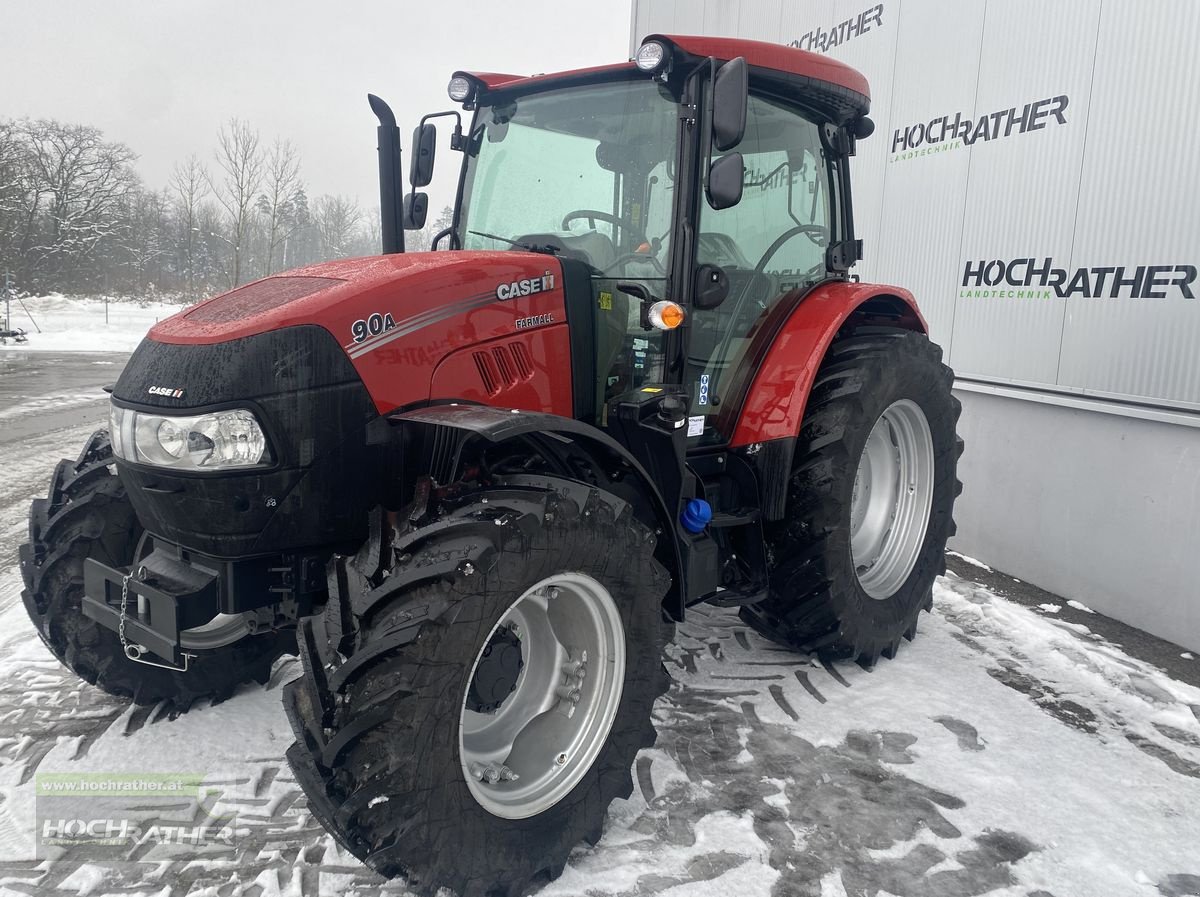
(476, 487)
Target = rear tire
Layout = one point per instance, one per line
(885, 394)
(87, 514)
(381, 711)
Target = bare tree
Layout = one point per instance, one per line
(75, 218)
(422, 240)
(17, 207)
(210, 247)
(190, 185)
(277, 202)
(143, 244)
(241, 163)
(76, 190)
(370, 236)
(336, 219)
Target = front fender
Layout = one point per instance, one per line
(501, 424)
(784, 359)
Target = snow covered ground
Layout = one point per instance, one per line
(1001, 754)
(79, 325)
(1004, 752)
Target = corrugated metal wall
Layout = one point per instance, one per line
(1098, 179)
(1096, 499)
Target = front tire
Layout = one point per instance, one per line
(87, 514)
(418, 763)
(870, 501)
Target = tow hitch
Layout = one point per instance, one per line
(175, 604)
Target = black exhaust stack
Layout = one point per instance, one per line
(391, 189)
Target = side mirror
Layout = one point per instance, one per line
(725, 177)
(420, 170)
(416, 210)
(712, 286)
(863, 127)
(731, 92)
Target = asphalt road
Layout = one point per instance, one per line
(28, 380)
(49, 403)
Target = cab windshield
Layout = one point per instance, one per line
(588, 170)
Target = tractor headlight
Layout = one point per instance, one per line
(460, 89)
(219, 440)
(650, 56)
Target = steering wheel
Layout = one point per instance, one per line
(814, 232)
(594, 215)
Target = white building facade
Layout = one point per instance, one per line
(1034, 179)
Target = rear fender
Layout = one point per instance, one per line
(783, 367)
(454, 425)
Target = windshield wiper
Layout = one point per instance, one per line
(531, 247)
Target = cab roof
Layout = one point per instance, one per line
(843, 88)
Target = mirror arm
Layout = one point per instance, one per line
(445, 232)
(837, 139)
(639, 292)
(457, 141)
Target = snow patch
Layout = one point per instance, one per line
(970, 560)
(832, 886)
(84, 325)
(84, 880)
(1080, 606)
(1050, 608)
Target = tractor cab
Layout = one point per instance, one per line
(677, 184)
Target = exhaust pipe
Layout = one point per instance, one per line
(391, 190)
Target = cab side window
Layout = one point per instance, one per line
(772, 242)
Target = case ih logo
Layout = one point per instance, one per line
(526, 287)
(946, 133)
(819, 40)
(1035, 278)
(169, 392)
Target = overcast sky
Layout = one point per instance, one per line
(162, 75)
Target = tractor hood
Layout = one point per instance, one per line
(399, 319)
(318, 355)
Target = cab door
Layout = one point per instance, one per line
(770, 245)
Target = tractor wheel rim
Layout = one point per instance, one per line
(522, 758)
(892, 499)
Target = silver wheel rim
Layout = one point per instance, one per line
(892, 499)
(524, 757)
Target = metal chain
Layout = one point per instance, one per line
(124, 610)
(134, 651)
